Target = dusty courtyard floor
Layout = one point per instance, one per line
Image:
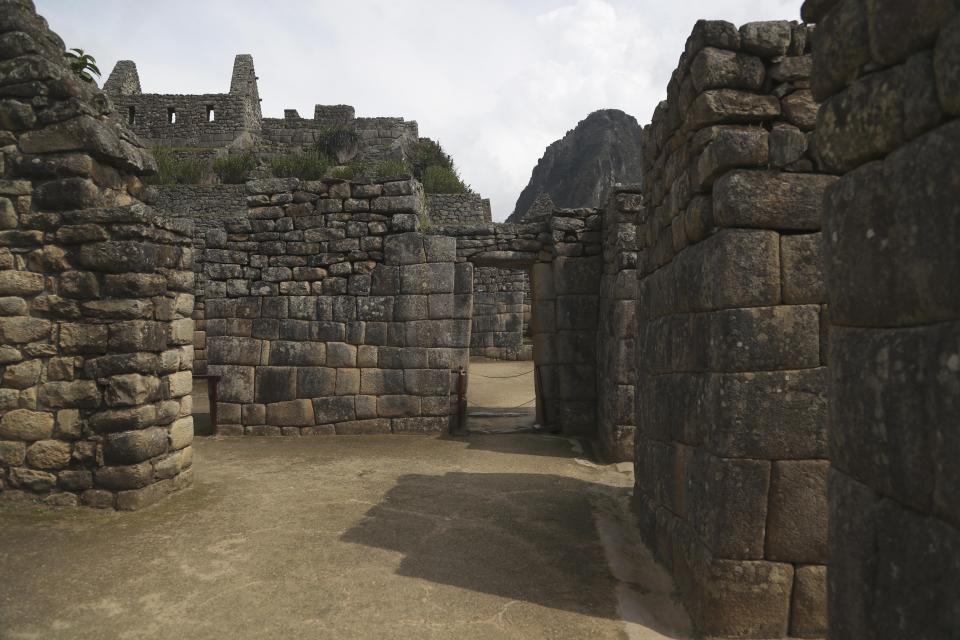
(495, 536)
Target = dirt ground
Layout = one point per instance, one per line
(485, 537)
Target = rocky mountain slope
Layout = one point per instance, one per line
(574, 171)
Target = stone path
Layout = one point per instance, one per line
(509, 536)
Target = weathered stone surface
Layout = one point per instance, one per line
(946, 62)
(745, 598)
(842, 47)
(720, 106)
(897, 30)
(753, 339)
(32, 480)
(124, 477)
(332, 410)
(292, 413)
(802, 268)
(129, 447)
(714, 68)
(48, 454)
(725, 148)
(808, 610)
(797, 523)
(768, 199)
(867, 227)
(23, 424)
(767, 39)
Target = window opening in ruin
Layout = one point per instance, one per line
(131, 115)
(211, 114)
(171, 115)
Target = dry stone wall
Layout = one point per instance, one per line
(889, 76)
(458, 208)
(95, 293)
(563, 253)
(731, 451)
(174, 120)
(327, 313)
(501, 314)
(616, 334)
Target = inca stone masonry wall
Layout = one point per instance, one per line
(95, 293)
(327, 313)
(458, 208)
(889, 76)
(501, 314)
(616, 333)
(731, 363)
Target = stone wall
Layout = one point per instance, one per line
(380, 138)
(95, 333)
(208, 207)
(889, 76)
(563, 253)
(185, 200)
(327, 313)
(458, 208)
(207, 120)
(501, 314)
(731, 366)
(616, 409)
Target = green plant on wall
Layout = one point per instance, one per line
(338, 143)
(82, 64)
(438, 179)
(390, 169)
(234, 168)
(173, 169)
(435, 169)
(305, 165)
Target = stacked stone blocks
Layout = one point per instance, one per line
(327, 313)
(731, 388)
(96, 293)
(888, 74)
(616, 333)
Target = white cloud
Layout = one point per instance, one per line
(495, 81)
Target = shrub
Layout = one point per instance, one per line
(234, 168)
(306, 165)
(390, 169)
(337, 142)
(173, 169)
(428, 153)
(343, 173)
(440, 179)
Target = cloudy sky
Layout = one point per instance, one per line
(495, 81)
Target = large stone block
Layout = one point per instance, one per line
(754, 339)
(770, 200)
(299, 354)
(725, 148)
(732, 268)
(863, 122)
(897, 29)
(801, 258)
(808, 610)
(49, 454)
(730, 505)
(714, 68)
(129, 447)
(841, 47)
(236, 383)
(332, 409)
(26, 425)
(743, 599)
(895, 392)
(768, 39)
(797, 522)
(427, 278)
(946, 61)
(293, 413)
(275, 384)
(896, 213)
(729, 106)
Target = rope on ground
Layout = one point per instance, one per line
(533, 399)
(480, 375)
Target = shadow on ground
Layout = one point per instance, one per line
(525, 537)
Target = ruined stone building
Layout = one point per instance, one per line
(765, 322)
